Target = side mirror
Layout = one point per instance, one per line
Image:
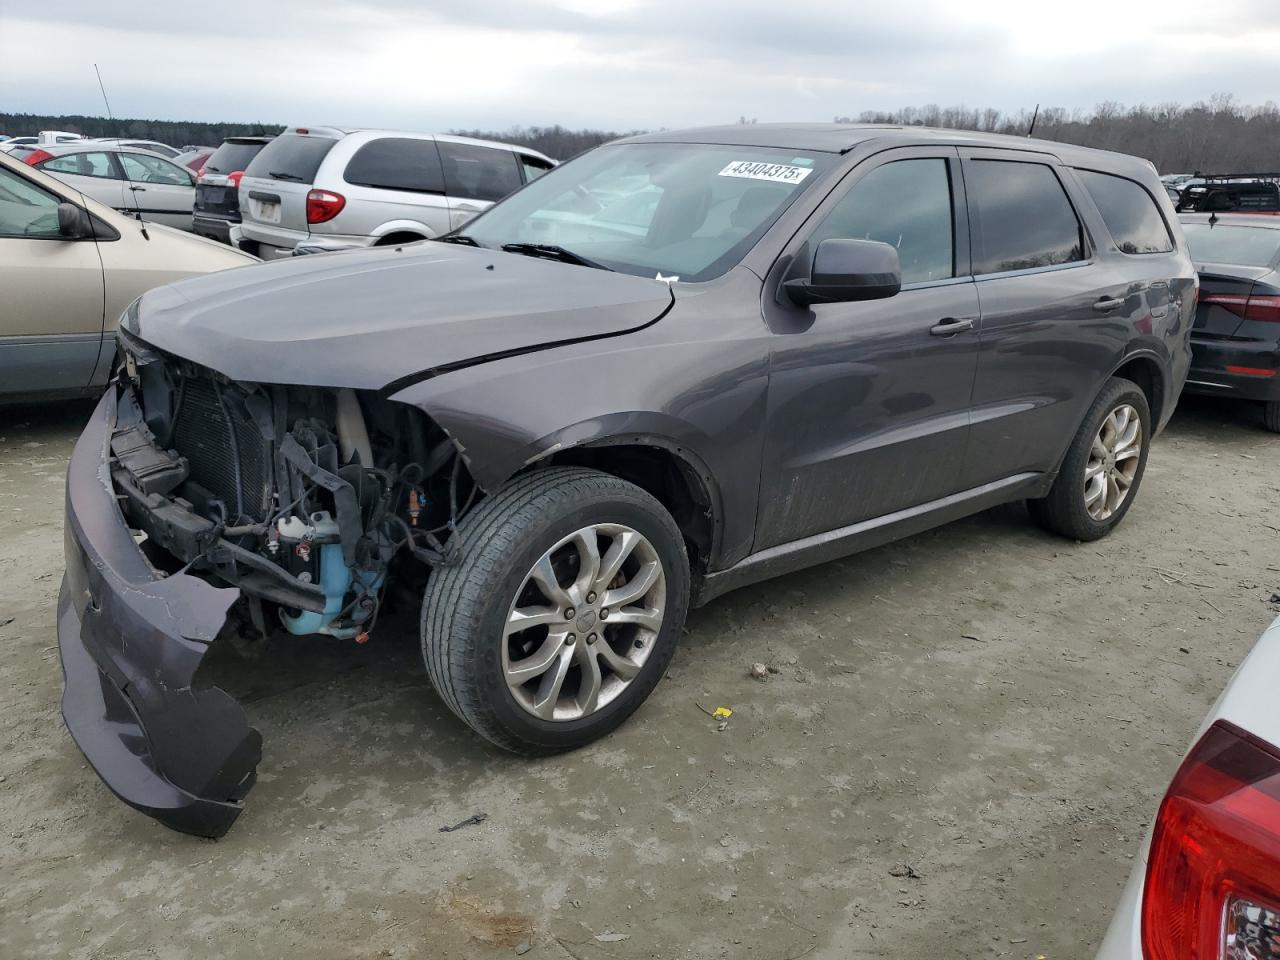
(73, 222)
(847, 270)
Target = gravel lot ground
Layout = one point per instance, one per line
(995, 708)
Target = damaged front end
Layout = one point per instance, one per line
(195, 505)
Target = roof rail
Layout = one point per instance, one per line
(1237, 176)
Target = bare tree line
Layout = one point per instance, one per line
(1214, 136)
(1210, 136)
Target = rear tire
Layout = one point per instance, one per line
(1103, 468)
(1271, 415)
(519, 637)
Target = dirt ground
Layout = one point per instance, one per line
(996, 708)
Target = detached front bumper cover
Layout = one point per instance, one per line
(131, 641)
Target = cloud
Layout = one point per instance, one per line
(620, 64)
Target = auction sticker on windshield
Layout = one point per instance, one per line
(775, 172)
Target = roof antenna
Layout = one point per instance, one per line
(1031, 128)
(123, 169)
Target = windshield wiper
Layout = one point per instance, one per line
(457, 238)
(552, 252)
(279, 175)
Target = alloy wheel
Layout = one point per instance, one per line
(1113, 462)
(583, 622)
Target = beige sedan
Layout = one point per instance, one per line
(69, 266)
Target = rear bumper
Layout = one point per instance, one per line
(215, 228)
(130, 641)
(1211, 373)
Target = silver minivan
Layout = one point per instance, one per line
(338, 188)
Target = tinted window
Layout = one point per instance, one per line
(232, 156)
(1129, 213)
(25, 209)
(1231, 244)
(906, 204)
(290, 157)
(144, 168)
(479, 173)
(1024, 218)
(397, 163)
(82, 165)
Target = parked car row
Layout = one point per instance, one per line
(311, 189)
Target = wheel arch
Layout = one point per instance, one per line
(668, 470)
(1145, 370)
(383, 233)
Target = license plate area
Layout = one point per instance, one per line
(265, 207)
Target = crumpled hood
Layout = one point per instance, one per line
(370, 318)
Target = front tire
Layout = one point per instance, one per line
(1103, 467)
(562, 613)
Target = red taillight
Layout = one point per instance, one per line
(38, 156)
(1213, 878)
(1264, 309)
(324, 205)
(233, 178)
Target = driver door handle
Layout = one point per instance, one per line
(1107, 304)
(950, 326)
(138, 189)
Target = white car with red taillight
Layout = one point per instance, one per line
(345, 188)
(1207, 886)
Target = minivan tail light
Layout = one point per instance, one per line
(38, 156)
(1213, 878)
(1265, 309)
(233, 178)
(324, 205)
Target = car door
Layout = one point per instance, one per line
(476, 177)
(93, 173)
(1052, 318)
(160, 190)
(392, 185)
(51, 321)
(868, 408)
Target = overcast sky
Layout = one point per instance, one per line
(621, 64)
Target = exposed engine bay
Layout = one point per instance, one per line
(304, 498)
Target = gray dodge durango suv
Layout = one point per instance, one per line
(678, 364)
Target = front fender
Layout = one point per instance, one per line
(704, 401)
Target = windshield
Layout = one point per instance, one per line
(290, 157)
(1228, 243)
(675, 210)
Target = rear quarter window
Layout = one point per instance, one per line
(1129, 212)
(397, 163)
(291, 157)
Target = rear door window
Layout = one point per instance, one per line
(291, 157)
(1129, 213)
(397, 163)
(1022, 216)
(479, 173)
(82, 165)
